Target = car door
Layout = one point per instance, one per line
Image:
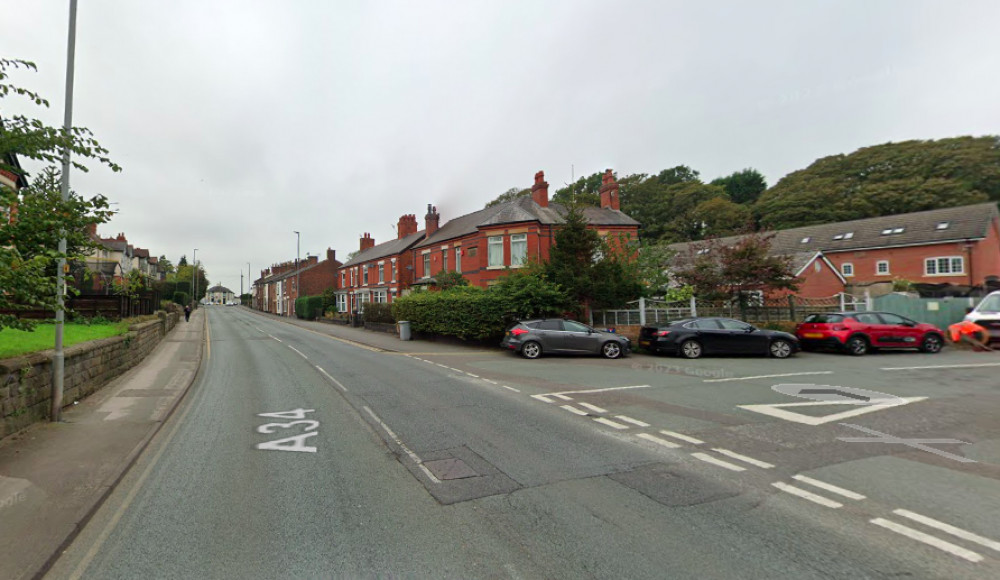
(710, 334)
(579, 337)
(900, 331)
(871, 325)
(743, 338)
(550, 334)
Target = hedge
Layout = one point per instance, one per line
(182, 298)
(309, 307)
(378, 312)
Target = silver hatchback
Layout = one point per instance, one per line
(532, 338)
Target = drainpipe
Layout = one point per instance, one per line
(968, 251)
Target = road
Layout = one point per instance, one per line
(478, 464)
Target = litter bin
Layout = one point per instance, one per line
(404, 330)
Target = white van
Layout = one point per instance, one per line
(987, 315)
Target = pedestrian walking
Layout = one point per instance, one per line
(970, 333)
(187, 313)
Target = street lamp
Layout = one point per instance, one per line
(297, 239)
(194, 279)
(249, 286)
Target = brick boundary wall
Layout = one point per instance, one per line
(26, 381)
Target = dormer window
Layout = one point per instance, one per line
(942, 225)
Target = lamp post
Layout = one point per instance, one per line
(194, 279)
(250, 286)
(297, 239)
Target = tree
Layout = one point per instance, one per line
(734, 272)
(165, 265)
(183, 261)
(583, 191)
(883, 180)
(677, 174)
(720, 217)
(527, 294)
(509, 195)
(27, 252)
(743, 187)
(449, 279)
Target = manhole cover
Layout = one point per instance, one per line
(450, 469)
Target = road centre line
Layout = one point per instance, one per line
(658, 440)
(928, 539)
(968, 366)
(766, 377)
(709, 459)
(573, 409)
(335, 381)
(610, 423)
(743, 458)
(511, 388)
(628, 419)
(829, 487)
(491, 382)
(275, 337)
(593, 408)
(416, 458)
(957, 532)
(298, 351)
(807, 495)
(682, 437)
(470, 374)
(599, 390)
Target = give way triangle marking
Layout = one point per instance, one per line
(778, 410)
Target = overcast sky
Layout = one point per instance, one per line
(237, 122)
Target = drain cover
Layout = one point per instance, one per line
(450, 469)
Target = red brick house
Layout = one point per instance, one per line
(380, 273)
(482, 244)
(279, 286)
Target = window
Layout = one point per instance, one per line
(824, 318)
(887, 231)
(882, 267)
(847, 269)
(427, 265)
(381, 272)
(549, 325)
(518, 249)
(898, 230)
(341, 302)
(728, 324)
(867, 318)
(945, 266)
(473, 251)
(848, 235)
(458, 260)
(805, 240)
(444, 260)
(495, 251)
(894, 319)
(838, 237)
(379, 296)
(364, 275)
(942, 225)
(393, 267)
(573, 326)
(703, 324)
(343, 280)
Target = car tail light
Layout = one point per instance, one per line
(662, 332)
(519, 331)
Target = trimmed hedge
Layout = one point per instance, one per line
(378, 312)
(182, 298)
(309, 307)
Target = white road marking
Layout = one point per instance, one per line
(573, 409)
(443, 366)
(709, 459)
(743, 458)
(968, 366)
(766, 377)
(542, 398)
(298, 351)
(593, 408)
(416, 458)
(471, 375)
(777, 410)
(333, 380)
(807, 495)
(829, 487)
(628, 419)
(261, 329)
(599, 390)
(928, 539)
(656, 439)
(275, 337)
(490, 382)
(563, 397)
(682, 437)
(511, 388)
(610, 423)
(957, 532)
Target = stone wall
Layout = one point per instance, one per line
(26, 381)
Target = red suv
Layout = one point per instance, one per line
(860, 332)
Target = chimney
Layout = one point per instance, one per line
(367, 242)
(540, 190)
(432, 219)
(121, 237)
(92, 231)
(311, 260)
(331, 255)
(407, 225)
(609, 191)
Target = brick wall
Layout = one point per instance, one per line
(26, 381)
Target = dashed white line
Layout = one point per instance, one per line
(928, 539)
(593, 408)
(714, 461)
(490, 382)
(275, 337)
(957, 532)
(968, 366)
(416, 458)
(766, 377)
(563, 397)
(610, 423)
(470, 374)
(511, 388)
(301, 354)
(807, 495)
(333, 380)
(656, 439)
(743, 458)
(628, 419)
(829, 487)
(682, 437)
(573, 409)
(542, 398)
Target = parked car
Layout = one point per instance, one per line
(860, 332)
(532, 338)
(694, 337)
(987, 315)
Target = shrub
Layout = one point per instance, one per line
(329, 300)
(182, 298)
(377, 312)
(309, 307)
(184, 287)
(782, 325)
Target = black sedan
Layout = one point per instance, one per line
(694, 337)
(531, 338)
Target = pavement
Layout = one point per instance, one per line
(54, 476)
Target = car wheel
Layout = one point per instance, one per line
(611, 349)
(691, 349)
(932, 344)
(781, 349)
(531, 349)
(857, 346)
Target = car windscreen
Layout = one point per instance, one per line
(989, 304)
(824, 318)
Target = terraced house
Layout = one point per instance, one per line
(380, 272)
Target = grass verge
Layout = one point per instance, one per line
(17, 342)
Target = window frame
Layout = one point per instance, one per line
(949, 261)
(427, 264)
(844, 269)
(381, 272)
(491, 242)
(522, 240)
(878, 270)
(458, 260)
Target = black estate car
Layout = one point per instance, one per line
(531, 338)
(693, 337)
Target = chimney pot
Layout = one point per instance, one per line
(609, 191)
(540, 190)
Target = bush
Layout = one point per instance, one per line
(329, 300)
(309, 307)
(782, 325)
(378, 312)
(184, 287)
(182, 298)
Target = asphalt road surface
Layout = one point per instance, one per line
(299, 455)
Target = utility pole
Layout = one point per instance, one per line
(58, 357)
(250, 286)
(297, 238)
(194, 279)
